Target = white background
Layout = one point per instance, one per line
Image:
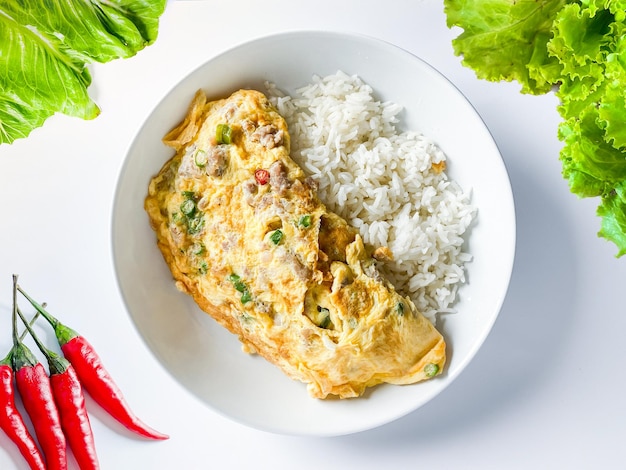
(545, 391)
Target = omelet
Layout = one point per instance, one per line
(244, 233)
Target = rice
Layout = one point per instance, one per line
(389, 184)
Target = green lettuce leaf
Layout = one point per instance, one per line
(578, 50)
(579, 38)
(504, 40)
(612, 105)
(586, 151)
(45, 48)
(613, 213)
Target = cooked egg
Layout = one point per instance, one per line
(244, 233)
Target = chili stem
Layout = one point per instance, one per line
(30, 330)
(31, 323)
(40, 308)
(61, 331)
(21, 356)
(56, 363)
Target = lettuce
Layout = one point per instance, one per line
(45, 48)
(578, 50)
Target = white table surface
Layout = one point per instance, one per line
(545, 391)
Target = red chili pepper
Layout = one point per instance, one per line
(34, 387)
(94, 377)
(68, 395)
(262, 176)
(102, 388)
(11, 421)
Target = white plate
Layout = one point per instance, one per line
(208, 360)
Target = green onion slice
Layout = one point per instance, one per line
(323, 318)
(276, 237)
(198, 248)
(223, 134)
(188, 207)
(195, 225)
(246, 296)
(305, 221)
(325, 323)
(431, 369)
(200, 158)
(238, 284)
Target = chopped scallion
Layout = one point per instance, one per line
(223, 134)
(246, 296)
(305, 221)
(276, 237)
(238, 284)
(400, 308)
(200, 158)
(431, 369)
(198, 248)
(188, 207)
(323, 317)
(195, 225)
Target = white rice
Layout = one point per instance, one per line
(382, 182)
